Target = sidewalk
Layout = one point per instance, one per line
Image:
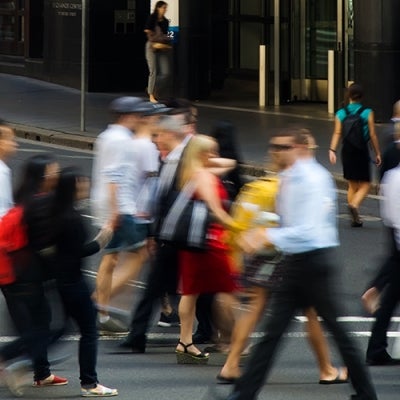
(51, 113)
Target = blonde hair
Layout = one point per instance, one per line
(192, 159)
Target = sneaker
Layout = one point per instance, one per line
(112, 327)
(15, 379)
(168, 320)
(52, 380)
(99, 391)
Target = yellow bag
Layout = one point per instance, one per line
(254, 197)
(254, 201)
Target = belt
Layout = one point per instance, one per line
(307, 254)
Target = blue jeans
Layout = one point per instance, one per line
(79, 306)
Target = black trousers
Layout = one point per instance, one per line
(30, 312)
(163, 278)
(307, 280)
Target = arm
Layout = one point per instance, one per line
(337, 133)
(374, 138)
(221, 166)
(206, 189)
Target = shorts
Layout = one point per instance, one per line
(130, 235)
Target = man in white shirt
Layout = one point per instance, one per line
(8, 147)
(119, 170)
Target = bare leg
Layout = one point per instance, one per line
(187, 308)
(224, 318)
(104, 280)
(320, 347)
(128, 269)
(166, 305)
(356, 193)
(241, 332)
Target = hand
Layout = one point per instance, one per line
(105, 235)
(114, 221)
(151, 245)
(332, 157)
(378, 160)
(253, 240)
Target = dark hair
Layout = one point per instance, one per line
(158, 5)
(33, 175)
(224, 133)
(356, 92)
(64, 197)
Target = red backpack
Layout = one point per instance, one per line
(13, 237)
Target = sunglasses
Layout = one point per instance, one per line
(280, 147)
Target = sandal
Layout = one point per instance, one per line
(186, 357)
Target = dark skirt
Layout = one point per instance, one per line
(356, 164)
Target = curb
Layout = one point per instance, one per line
(79, 141)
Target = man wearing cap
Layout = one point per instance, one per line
(120, 168)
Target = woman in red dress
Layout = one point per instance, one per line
(210, 271)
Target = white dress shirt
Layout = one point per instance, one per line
(307, 205)
(6, 198)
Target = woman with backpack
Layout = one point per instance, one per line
(355, 125)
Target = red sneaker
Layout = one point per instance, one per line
(52, 380)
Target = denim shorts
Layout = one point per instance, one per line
(130, 235)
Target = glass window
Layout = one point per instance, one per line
(7, 5)
(320, 36)
(251, 35)
(251, 7)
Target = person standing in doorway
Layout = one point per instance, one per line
(355, 160)
(158, 51)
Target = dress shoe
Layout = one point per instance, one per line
(137, 344)
(382, 360)
(199, 338)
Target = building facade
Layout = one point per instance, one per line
(218, 40)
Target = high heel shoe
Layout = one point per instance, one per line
(186, 357)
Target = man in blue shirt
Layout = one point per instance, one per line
(307, 236)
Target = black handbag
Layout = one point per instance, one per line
(186, 222)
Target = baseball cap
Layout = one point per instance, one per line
(125, 105)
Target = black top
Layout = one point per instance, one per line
(153, 20)
(72, 246)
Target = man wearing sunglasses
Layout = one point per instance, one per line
(308, 237)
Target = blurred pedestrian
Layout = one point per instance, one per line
(118, 169)
(307, 236)
(210, 271)
(158, 52)
(355, 159)
(259, 288)
(172, 138)
(71, 241)
(8, 147)
(25, 298)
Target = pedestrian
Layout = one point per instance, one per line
(259, 288)
(25, 298)
(213, 324)
(390, 160)
(355, 159)
(8, 147)
(210, 271)
(119, 168)
(71, 241)
(308, 237)
(391, 154)
(388, 280)
(171, 137)
(158, 52)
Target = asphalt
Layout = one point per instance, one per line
(50, 113)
